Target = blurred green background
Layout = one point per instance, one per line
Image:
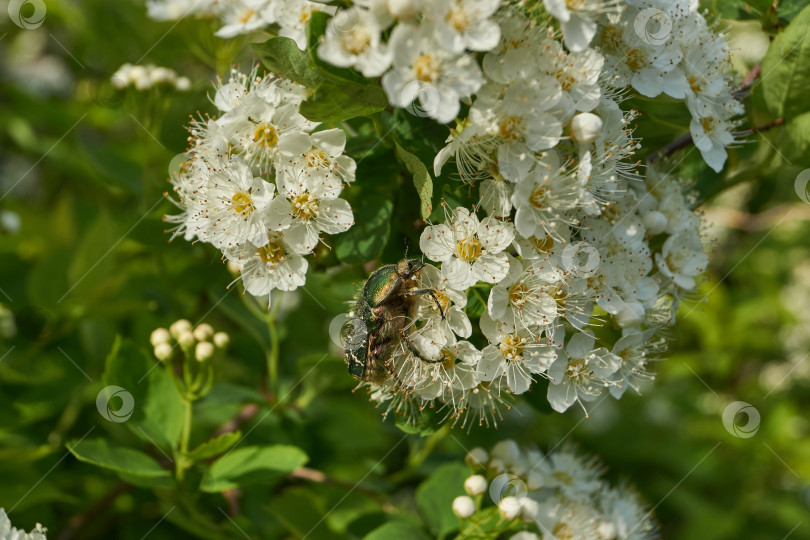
(83, 168)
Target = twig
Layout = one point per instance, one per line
(312, 475)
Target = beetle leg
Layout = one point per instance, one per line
(416, 352)
(432, 293)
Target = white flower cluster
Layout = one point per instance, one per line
(573, 237)
(550, 497)
(666, 46)
(261, 184)
(200, 342)
(9, 532)
(290, 17)
(147, 77)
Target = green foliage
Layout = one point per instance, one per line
(253, 464)
(421, 179)
(435, 497)
(101, 453)
(785, 78)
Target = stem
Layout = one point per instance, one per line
(181, 462)
(417, 458)
(272, 356)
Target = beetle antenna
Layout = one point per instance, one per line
(407, 246)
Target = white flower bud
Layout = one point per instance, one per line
(158, 336)
(507, 451)
(186, 340)
(221, 339)
(204, 351)
(534, 480)
(509, 507)
(203, 332)
(179, 327)
(163, 352)
(403, 9)
(182, 84)
(524, 535)
(585, 128)
(496, 466)
(529, 509)
(655, 222)
(606, 530)
(234, 268)
(475, 484)
(463, 506)
(477, 458)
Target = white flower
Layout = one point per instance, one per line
(319, 153)
(9, 532)
(275, 265)
(470, 250)
(580, 373)
(423, 69)
(509, 507)
(231, 212)
(522, 298)
(712, 132)
(634, 349)
(309, 206)
(516, 354)
(463, 506)
(353, 40)
(682, 259)
(460, 24)
(451, 318)
(577, 20)
(293, 16)
(243, 17)
(541, 200)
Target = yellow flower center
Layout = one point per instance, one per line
(242, 203)
(635, 59)
(565, 79)
(510, 128)
(266, 135)
(544, 244)
(707, 124)
(695, 84)
(356, 42)
(563, 477)
(425, 68)
(469, 249)
(318, 158)
(519, 294)
(272, 252)
(305, 207)
(539, 197)
(563, 531)
(247, 16)
(511, 345)
(457, 18)
(449, 358)
(444, 302)
(611, 38)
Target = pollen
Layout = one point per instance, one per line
(511, 345)
(357, 42)
(457, 18)
(635, 59)
(266, 135)
(469, 249)
(305, 207)
(247, 15)
(272, 252)
(563, 531)
(510, 128)
(318, 159)
(540, 196)
(519, 294)
(425, 68)
(242, 203)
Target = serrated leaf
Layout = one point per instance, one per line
(785, 77)
(281, 55)
(422, 180)
(397, 530)
(343, 101)
(366, 239)
(215, 446)
(117, 458)
(251, 465)
(435, 497)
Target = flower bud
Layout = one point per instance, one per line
(475, 484)
(403, 9)
(163, 352)
(529, 509)
(186, 340)
(158, 336)
(221, 340)
(203, 332)
(585, 128)
(534, 480)
(655, 222)
(477, 458)
(204, 351)
(182, 84)
(179, 327)
(507, 451)
(509, 507)
(463, 506)
(524, 535)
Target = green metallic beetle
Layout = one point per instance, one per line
(380, 318)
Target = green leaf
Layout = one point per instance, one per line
(281, 55)
(343, 101)
(157, 414)
(785, 77)
(435, 497)
(117, 458)
(366, 239)
(396, 530)
(251, 465)
(798, 146)
(421, 179)
(215, 446)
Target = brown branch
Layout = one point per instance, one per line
(312, 475)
